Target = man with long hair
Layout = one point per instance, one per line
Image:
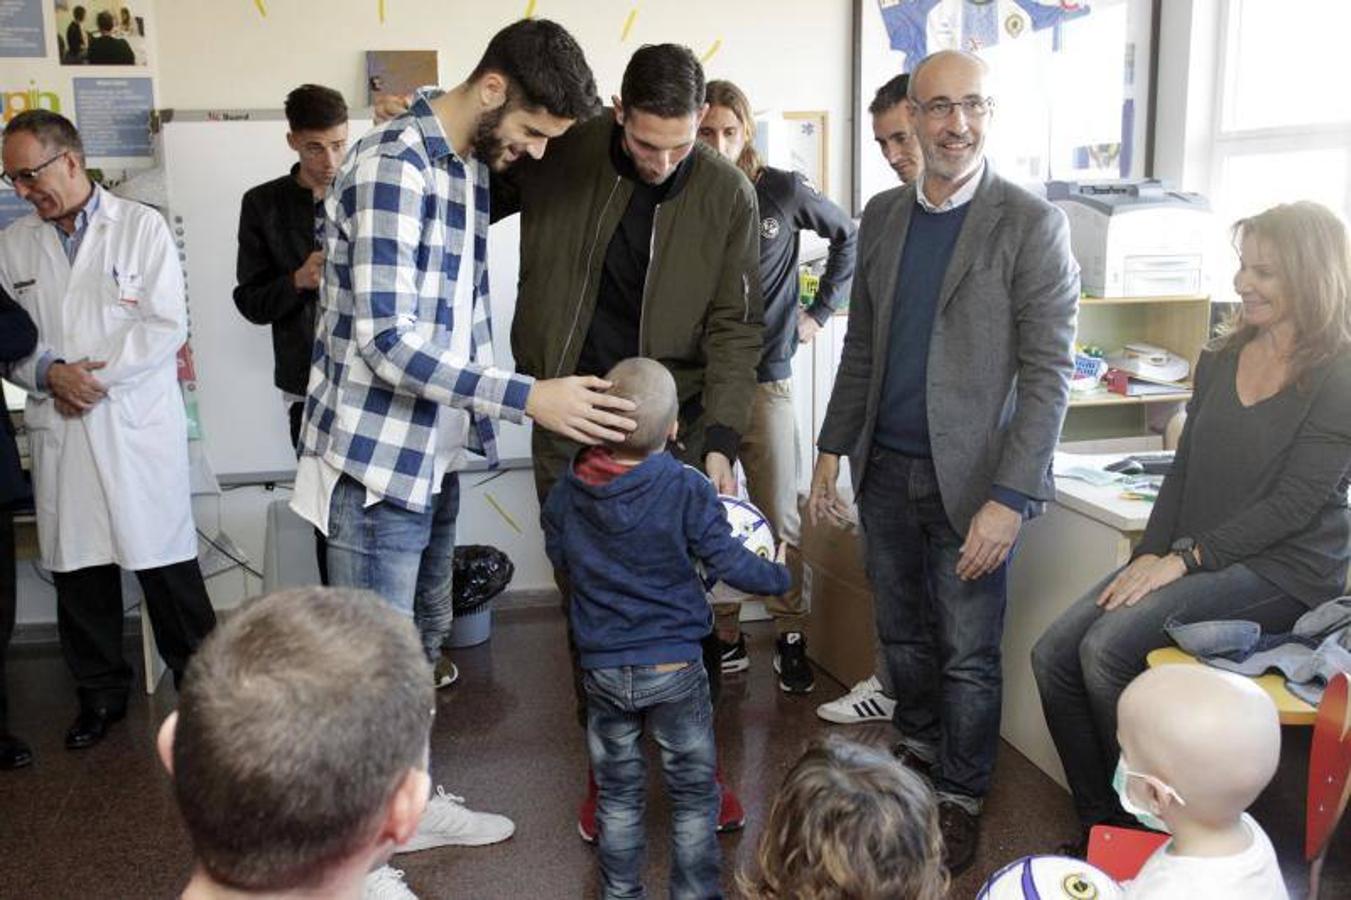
(788, 204)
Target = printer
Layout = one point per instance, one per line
(1136, 238)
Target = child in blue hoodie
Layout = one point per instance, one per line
(626, 525)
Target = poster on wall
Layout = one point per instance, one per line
(398, 72)
(113, 115)
(1069, 81)
(21, 33)
(100, 33)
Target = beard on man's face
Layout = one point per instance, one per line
(488, 147)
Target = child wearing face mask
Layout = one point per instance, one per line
(1197, 747)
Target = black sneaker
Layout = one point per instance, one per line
(790, 661)
(734, 655)
(960, 831)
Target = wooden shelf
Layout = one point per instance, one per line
(1116, 301)
(1107, 398)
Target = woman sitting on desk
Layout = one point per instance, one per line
(1252, 521)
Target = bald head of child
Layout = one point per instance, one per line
(1211, 736)
(650, 386)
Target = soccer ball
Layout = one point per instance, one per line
(751, 528)
(1050, 878)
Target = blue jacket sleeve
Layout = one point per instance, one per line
(710, 538)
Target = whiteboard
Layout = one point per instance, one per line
(210, 160)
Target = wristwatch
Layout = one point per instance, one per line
(1185, 548)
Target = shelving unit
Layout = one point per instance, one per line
(1178, 324)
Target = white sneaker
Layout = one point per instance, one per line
(444, 673)
(865, 702)
(448, 821)
(386, 884)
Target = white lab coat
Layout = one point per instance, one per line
(110, 486)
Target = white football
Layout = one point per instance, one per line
(1050, 878)
(751, 528)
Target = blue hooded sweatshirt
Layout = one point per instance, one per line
(628, 548)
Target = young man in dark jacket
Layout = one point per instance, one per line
(636, 240)
(625, 525)
(18, 337)
(280, 260)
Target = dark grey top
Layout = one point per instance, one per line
(1264, 485)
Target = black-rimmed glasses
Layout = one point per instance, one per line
(27, 177)
(974, 107)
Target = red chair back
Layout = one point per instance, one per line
(1120, 852)
(1329, 766)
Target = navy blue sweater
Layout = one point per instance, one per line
(903, 414)
(628, 549)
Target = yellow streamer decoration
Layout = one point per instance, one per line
(492, 501)
(529, 10)
(628, 24)
(717, 45)
(382, 12)
(262, 10)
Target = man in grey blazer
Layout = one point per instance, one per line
(948, 402)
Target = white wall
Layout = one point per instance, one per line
(786, 54)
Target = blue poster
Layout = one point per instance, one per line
(113, 115)
(11, 208)
(21, 31)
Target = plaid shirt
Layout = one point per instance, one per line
(393, 231)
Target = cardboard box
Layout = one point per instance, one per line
(841, 635)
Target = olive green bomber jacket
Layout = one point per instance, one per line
(702, 310)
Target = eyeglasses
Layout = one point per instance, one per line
(974, 107)
(28, 177)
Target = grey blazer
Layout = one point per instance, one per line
(1000, 356)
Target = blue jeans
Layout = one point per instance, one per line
(1087, 657)
(406, 557)
(676, 706)
(940, 635)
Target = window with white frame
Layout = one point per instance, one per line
(1282, 128)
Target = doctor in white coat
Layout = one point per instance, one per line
(100, 277)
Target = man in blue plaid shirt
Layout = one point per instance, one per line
(403, 381)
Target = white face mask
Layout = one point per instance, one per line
(1147, 818)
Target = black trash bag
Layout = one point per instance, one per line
(481, 573)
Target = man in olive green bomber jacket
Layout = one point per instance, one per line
(637, 240)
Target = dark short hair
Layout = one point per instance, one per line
(313, 107)
(105, 20)
(888, 95)
(298, 718)
(663, 79)
(53, 130)
(544, 67)
(77, 13)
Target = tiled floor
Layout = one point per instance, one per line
(101, 823)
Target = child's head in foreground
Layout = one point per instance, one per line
(1197, 746)
(850, 821)
(649, 385)
(299, 748)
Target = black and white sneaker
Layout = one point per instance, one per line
(790, 661)
(734, 655)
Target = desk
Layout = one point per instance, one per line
(1085, 534)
